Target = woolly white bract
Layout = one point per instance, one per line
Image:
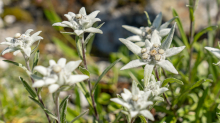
(144, 33)
(136, 102)
(81, 22)
(215, 51)
(58, 74)
(21, 43)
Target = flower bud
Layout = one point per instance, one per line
(157, 57)
(161, 51)
(17, 35)
(143, 50)
(56, 68)
(78, 16)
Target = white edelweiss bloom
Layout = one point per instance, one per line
(153, 54)
(136, 102)
(214, 51)
(155, 87)
(144, 33)
(21, 43)
(81, 22)
(58, 74)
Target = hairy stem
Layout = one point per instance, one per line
(39, 96)
(57, 106)
(158, 79)
(90, 85)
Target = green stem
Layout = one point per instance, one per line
(90, 85)
(57, 106)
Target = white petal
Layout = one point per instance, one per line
(148, 43)
(133, 113)
(91, 22)
(147, 114)
(53, 88)
(157, 21)
(126, 91)
(8, 39)
(27, 51)
(174, 51)
(146, 104)
(52, 62)
(215, 51)
(93, 14)
(125, 96)
(62, 62)
(49, 81)
(82, 11)
(72, 65)
(167, 66)
(135, 90)
(68, 24)
(77, 78)
(166, 44)
(146, 95)
(71, 14)
(155, 39)
(78, 32)
(6, 43)
(60, 24)
(120, 101)
(133, 64)
(39, 83)
(68, 17)
(131, 46)
(165, 25)
(140, 44)
(148, 69)
(132, 29)
(164, 32)
(8, 50)
(28, 32)
(94, 30)
(162, 90)
(41, 69)
(16, 52)
(134, 38)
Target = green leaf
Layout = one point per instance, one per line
(180, 26)
(63, 101)
(35, 61)
(143, 119)
(63, 111)
(35, 47)
(103, 73)
(28, 88)
(148, 18)
(136, 80)
(76, 118)
(118, 117)
(171, 80)
(85, 92)
(92, 34)
(79, 47)
(19, 65)
(68, 51)
(84, 71)
(199, 34)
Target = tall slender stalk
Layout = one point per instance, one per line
(57, 106)
(158, 79)
(39, 96)
(90, 85)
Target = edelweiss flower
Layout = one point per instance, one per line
(81, 22)
(135, 102)
(146, 32)
(154, 87)
(153, 54)
(21, 43)
(58, 74)
(215, 51)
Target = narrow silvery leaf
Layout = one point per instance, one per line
(148, 18)
(148, 69)
(60, 24)
(19, 65)
(82, 11)
(134, 38)
(28, 88)
(133, 64)
(140, 44)
(167, 66)
(164, 32)
(166, 24)
(52, 88)
(133, 113)
(93, 14)
(131, 46)
(72, 65)
(147, 114)
(35, 60)
(215, 51)
(77, 78)
(120, 101)
(155, 39)
(84, 71)
(41, 69)
(132, 29)
(8, 50)
(157, 21)
(171, 80)
(135, 89)
(93, 30)
(174, 51)
(63, 112)
(166, 44)
(76, 118)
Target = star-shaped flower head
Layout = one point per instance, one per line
(215, 51)
(21, 43)
(58, 74)
(136, 102)
(153, 54)
(155, 87)
(81, 22)
(144, 33)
